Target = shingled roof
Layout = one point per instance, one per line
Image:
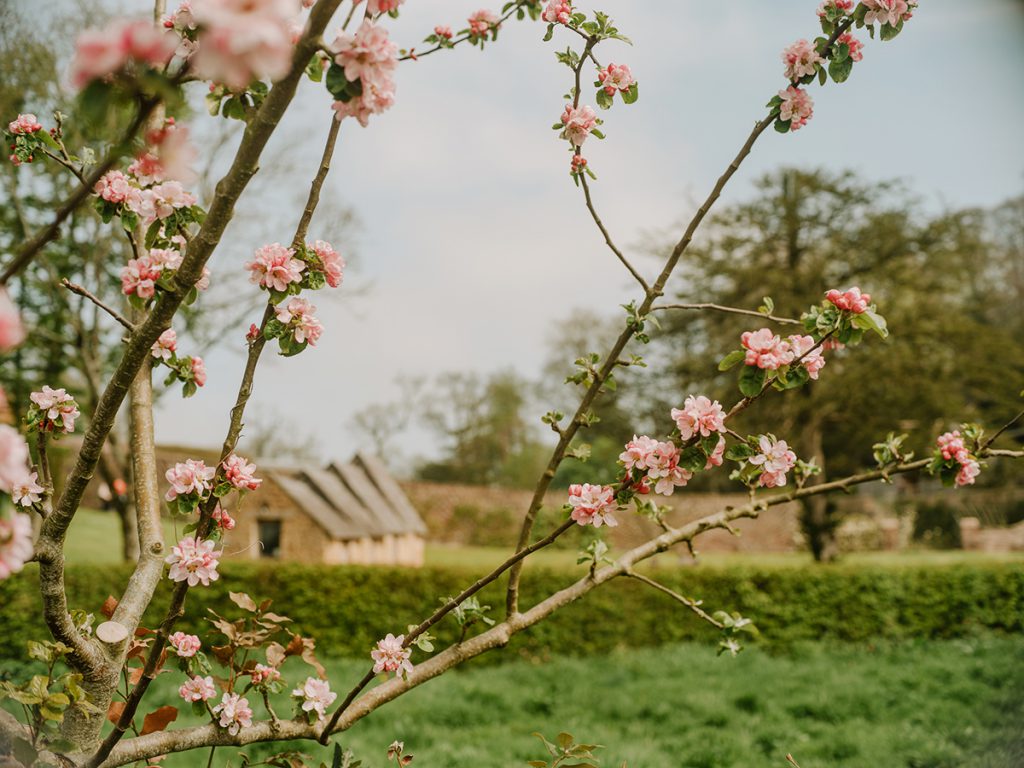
(351, 501)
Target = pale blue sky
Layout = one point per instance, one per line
(474, 239)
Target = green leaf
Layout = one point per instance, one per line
(888, 32)
(336, 82)
(839, 70)
(730, 360)
(630, 96)
(782, 126)
(740, 452)
(752, 380)
(871, 321)
(604, 100)
(693, 458)
(549, 33)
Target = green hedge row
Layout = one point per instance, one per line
(348, 608)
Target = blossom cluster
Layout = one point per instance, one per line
(953, 461)
(188, 369)
(774, 459)
(765, 349)
(391, 655)
(25, 136)
(361, 79)
(52, 410)
(194, 561)
(124, 48)
(314, 697)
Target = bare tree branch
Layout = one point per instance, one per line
(733, 310)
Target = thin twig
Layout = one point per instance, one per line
(607, 236)
(693, 605)
(84, 292)
(732, 310)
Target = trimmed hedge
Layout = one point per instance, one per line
(348, 608)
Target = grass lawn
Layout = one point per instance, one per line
(934, 704)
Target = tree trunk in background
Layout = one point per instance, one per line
(818, 514)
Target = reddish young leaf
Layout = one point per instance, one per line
(109, 606)
(114, 711)
(159, 719)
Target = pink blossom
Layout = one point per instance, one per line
(578, 122)
(234, 712)
(26, 123)
(261, 673)
(765, 350)
(377, 97)
(381, 6)
(592, 505)
(889, 12)
(444, 32)
(969, 470)
(316, 695)
(331, 260)
(182, 19)
(803, 349)
(579, 163)
(481, 22)
(12, 332)
(191, 476)
(204, 280)
(775, 460)
(851, 301)
(113, 187)
(951, 445)
(103, 52)
(801, 59)
(615, 77)
(240, 473)
(198, 370)
(797, 107)
(164, 347)
(15, 543)
(846, 6)
(171, 155)
(663, 467)
(275, 267)
(557, 12)
(184, 645)
(717, 456)
(139, 277)
(13, 458)
(243, 40)
(223, 520)
(368, 55)
(165, 258)
(699, 416)
(637, 452)
(298, 313)
(856, 46)
(391, 656)
(198, 689)
(57, 407)
(27, 492)
(194, 561)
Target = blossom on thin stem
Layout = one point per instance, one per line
(298, 314)
(801, 59)
(592, 505)
(775, 459)
(699, 416)
(165, 346)
(615, 77)
(191, 476)
(578, 123)
(330, 259)
(27, 492)
(765, 349)
(262, 674)
(275, 267)
(851, 300)
(797, 107)
(194, 561)
(316, 695)
(235, 713)
(391, 656)
(481, 23)
(24, 124)
(54, 410)
(241, 473)
(198, 689)
(185, 646)
(811, 357)
(557, 12)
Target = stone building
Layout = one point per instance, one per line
(354, 513)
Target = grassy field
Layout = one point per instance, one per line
(950, 704)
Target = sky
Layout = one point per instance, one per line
(473, 243)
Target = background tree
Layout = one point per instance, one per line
(950, 284)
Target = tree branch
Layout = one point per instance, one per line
(733, 310)
(85, 293)
(693, 605)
